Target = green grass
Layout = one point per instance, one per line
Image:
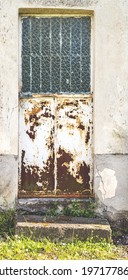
(21, 248)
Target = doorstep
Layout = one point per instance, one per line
(63, 228)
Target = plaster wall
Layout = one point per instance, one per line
(109, 85)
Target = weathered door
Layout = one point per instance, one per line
(55, 147)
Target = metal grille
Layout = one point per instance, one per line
(56, 55)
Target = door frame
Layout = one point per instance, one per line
(45, 12)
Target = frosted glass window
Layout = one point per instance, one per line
(56, 55)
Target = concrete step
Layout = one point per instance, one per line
(47, 206)
(65, 229)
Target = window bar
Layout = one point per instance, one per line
(60, 53)
(40, 56)
(80, 55)
(50, 54)
(30, 58)
(55, 146)
(70, 52)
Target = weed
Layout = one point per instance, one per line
(73, 209)
(53, 209)
(7, 222)
(76, 210)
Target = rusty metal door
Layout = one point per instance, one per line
(55, 123)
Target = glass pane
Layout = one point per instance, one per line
(85, 67)
(65, 74)
(26, 36)
(45, 74)
(85, 74)
(75, 74)
(35, 75)
(65, 55)
(45, 37)
(35, 36)
(75, 36)
(26, 73)
(65, 33)
(55, 74)
(55, 36)
(45, 55)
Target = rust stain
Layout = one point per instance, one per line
(44, 103)
(50, 141)
(85, 174)
(33, 178)
(87, 135)
(81, 126)
(60, 126)
(31, 132)
(66, 102)
(67, 183)
(30, 116)
(26, 194)
(33, 118)
(35, 110)
(85, 101)
(70, 127)
(22, 156)
(71, 103)
(70, 115)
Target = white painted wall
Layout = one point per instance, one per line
(110, 87)
(111, 76)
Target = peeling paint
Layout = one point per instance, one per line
(108, 183)
(34, 115)
(36, 145)
(55, 146)
(74, 157)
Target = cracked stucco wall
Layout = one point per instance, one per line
(110, 87)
